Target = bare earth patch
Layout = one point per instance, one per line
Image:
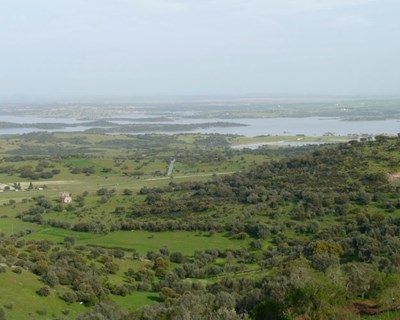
(50, 183)
(394, 177)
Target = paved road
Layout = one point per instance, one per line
(201, 175)
(171, 167)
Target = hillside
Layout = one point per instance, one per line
(272, 233)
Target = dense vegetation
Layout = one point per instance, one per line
(305, 233)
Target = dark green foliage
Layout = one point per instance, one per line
(70, 297)
(69, 241)
(322, 261)
(2, 314)
(16, 270)
(43, 291)
(176, 257)
(104, 310)
(127, 192)
(269, 310)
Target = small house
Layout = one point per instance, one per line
(65, 197)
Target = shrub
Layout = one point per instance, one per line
(176, 257)
(69, 297)
(2, 314)
(127, 192)
(41, 312)
(16, 270)
(43, 292)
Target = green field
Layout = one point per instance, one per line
(143, 241)
(137, 299)
(21, 303)
(11, 226)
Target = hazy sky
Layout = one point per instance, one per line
(99, 48)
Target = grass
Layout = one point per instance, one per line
(137, 299)
(274, 139)
(184, 241)
(125, 264)
(58, 235)
(10, 226)
(17, 291)
(390, 315)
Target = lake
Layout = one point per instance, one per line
(310, 126)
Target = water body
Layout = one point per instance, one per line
(310, 126)
(33, 119)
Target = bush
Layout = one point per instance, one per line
(16, 270)
(2, 314)
(176, 257)
(256, 244)
(69, 297)
(127, 192)
(274, 309)
(41, 312)
(43, 292)
(322, 261)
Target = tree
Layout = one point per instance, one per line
(106, 310)
(224, 299)
(176, 257)
(256, 244)
(41, 267)
(360, 276)
(160, 266)
(69, 297)
(51, 278)
(69, 241)
(168, 293)
(322, 261)
(271, 310)
(127, 192)
(111, 267)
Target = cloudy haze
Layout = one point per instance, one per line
(113, 48)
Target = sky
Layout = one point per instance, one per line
(66, 49)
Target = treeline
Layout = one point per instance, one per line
(43, 170)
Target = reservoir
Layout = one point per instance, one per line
(309, 126)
